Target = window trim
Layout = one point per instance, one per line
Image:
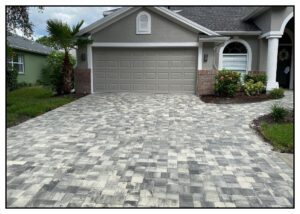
(249, 53)
(138, 30)
(12, 63)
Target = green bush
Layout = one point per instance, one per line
(278, 113)
(276, 93)
(256, 77)
(23, 84)
(227, 83)
(52, 74)
(11, 79)
(252, 89)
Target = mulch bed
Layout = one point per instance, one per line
(238, 98)
(268, 119)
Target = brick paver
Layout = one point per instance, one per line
(111, 150)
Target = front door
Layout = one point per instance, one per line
(284, 66)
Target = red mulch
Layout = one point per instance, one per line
(238, 98)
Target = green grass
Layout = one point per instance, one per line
(281, 135)
(29, 102)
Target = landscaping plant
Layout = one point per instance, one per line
(252, 88)
(256, 77)
(276, 93)
(65, 38)
(227, 83)
(52, 74)
(278, 113)
(11, 73)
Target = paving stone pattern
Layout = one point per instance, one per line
(129, 150)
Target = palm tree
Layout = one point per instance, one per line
(65, 38)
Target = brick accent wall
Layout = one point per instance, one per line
(82, 81)
(205, 82)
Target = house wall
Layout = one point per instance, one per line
(278, 16)
(272, 19)
(82, 63)
(124, 30)
(263, 49)
(208, 48)
(254, 44)
(33, 65)
(214, 51)
(162, 30)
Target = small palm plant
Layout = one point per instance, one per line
(66, 38)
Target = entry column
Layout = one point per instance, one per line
(272, 62)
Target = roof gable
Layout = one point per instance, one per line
(123, 12)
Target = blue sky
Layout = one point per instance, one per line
(71, 15)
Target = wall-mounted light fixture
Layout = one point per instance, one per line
(83, 57)
(205, 57)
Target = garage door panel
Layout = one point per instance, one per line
(137, 75)
(176, 75)
(164, 75)
(164, 70)
(190, 76)
(125, 75)
(162, 64)
(125, 87)
(150, 75)
(125, 64)
(149, 64)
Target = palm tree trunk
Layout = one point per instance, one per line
(67, 73)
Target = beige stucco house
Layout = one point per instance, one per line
(161, 49)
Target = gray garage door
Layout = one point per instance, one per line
(165, 70)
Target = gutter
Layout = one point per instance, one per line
(214, 39)
(255, 33)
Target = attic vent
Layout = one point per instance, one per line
(143, 23)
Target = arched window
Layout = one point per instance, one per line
(236, 56)
(143, 23)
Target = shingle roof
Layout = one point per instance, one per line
(225, 18)
(20, 43)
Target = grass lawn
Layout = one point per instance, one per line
(29, 102)
(281, 135)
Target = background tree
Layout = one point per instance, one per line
(66, 38)
(46, 40)
(17, 17)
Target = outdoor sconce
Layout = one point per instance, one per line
(83, 57)
(205, 57)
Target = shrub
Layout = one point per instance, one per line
(256, 77)
(11, 79)
(251, 88)
(278, 113)
(52, 74)
(227, 83)
(23, 84)
(276, 93)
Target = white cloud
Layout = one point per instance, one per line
(70, 15)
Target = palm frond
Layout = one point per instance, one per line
(76, 28)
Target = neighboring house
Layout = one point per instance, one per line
(161, 49)
(29, 58)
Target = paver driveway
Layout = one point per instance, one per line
(145, 150)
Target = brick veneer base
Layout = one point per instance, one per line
(205, 82)
(82, 81)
